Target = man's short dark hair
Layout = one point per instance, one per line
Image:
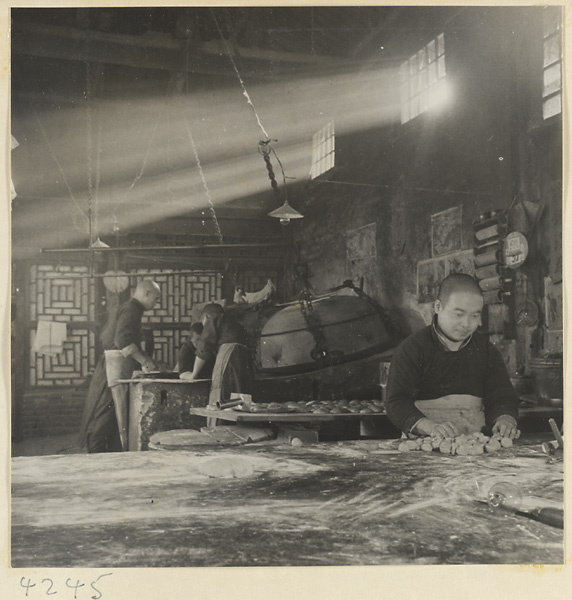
(458, 282)
(196, 328)
(212, 310)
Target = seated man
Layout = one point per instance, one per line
(188, 352)
(225, 339)
(447, 379)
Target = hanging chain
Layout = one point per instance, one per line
(264, 149)
(255, 339)
(320, 352)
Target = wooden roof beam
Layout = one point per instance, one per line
(152, 51)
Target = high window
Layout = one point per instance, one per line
(323, 150)
(552, 65)
(422, 79)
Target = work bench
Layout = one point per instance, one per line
(162, 404)
(344, 503)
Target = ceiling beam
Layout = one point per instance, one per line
(171, 248)
(152, 51)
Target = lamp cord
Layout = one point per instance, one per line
(212, 210)
(244, 90)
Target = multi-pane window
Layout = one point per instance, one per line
(323, 150)
(422, 79)
(552, 65)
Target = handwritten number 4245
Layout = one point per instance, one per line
(47, 586)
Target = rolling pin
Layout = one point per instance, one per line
(507, 496)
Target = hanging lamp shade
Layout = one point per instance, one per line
(99, 244)
(285, 213)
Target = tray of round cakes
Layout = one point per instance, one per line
(316, 407)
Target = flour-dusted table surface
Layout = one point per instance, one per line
(346, 503)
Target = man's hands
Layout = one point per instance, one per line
(505, 426)
(148, 365)
(162, 366)
(429, 427)
(187, 376)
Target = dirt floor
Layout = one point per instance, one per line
(42, 446)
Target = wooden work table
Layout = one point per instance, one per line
(346, 503)
(162, 404)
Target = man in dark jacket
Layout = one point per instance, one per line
(104, 420)
(448, 379)
(188, 353)
(225, 339)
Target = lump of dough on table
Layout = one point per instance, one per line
(226, 467)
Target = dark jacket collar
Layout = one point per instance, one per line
(441, 340)
(137, 304)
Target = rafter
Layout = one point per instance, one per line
(151, 51)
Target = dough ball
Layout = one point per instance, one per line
(445, 447)
(226, 467)
(506, 442)
(463, 450)
(404, 447)
(492, 446)
(297, 442)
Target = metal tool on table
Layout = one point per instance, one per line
(507, 495)
(242, 400)
(555, 448)
(383, 377)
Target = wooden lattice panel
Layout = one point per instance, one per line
(64, 294)
(166, 344)
(252, 281)
(179, 292)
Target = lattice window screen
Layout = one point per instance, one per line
(58, 294)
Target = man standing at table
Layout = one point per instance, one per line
(225, 341)
(188, 354)
(104, 421)
(447, 379)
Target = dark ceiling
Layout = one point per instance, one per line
(89, 87)
(342, 32)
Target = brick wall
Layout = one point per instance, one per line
(56, 411)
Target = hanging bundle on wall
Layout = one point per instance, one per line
(490, 230)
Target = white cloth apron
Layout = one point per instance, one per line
(466, 412)
(118, 366)
(221, 362)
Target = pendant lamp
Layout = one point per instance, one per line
(285, 213)
(99, 244)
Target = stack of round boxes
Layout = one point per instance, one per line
(490, 229)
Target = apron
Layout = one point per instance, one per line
(466, 412)
(232, 372)
(118, 366)
(225, 379)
